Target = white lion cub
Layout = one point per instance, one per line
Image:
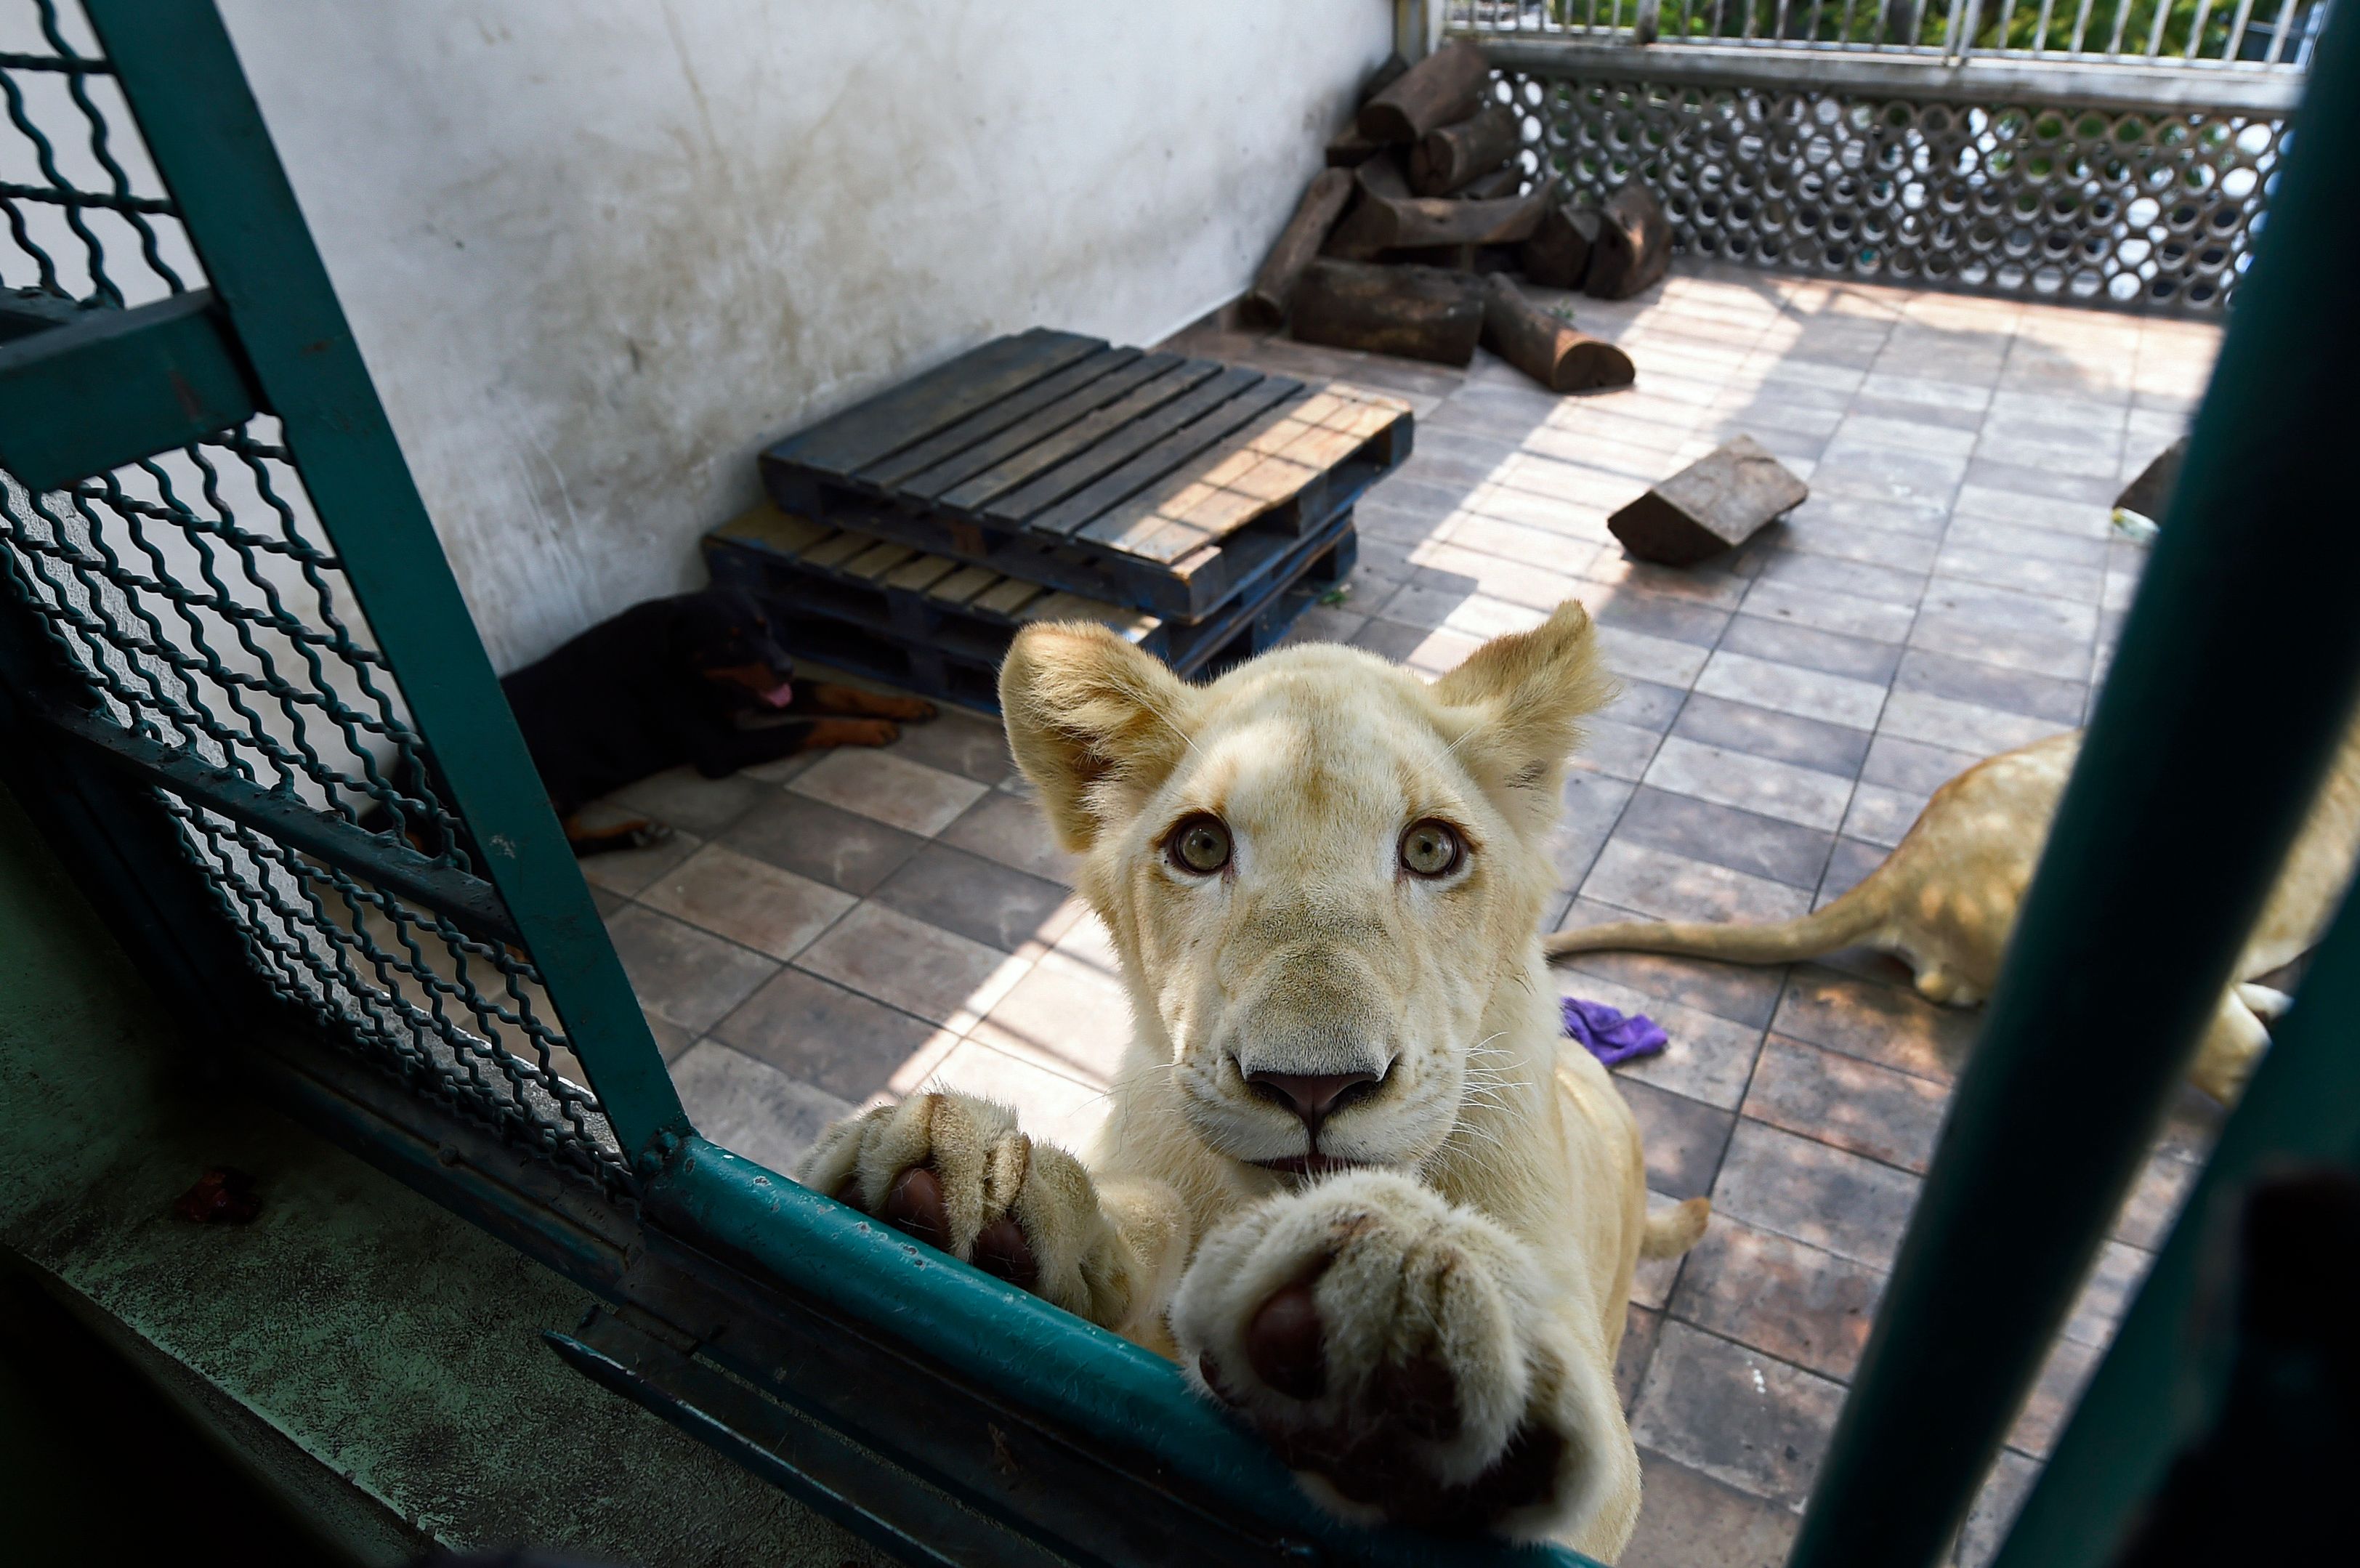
(1355, 1180)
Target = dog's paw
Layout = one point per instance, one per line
(956, 1173)
(1403, 1357)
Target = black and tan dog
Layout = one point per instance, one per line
(698, 679)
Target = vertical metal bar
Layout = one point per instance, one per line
(2091, 1022)
(2122, 20)
(2196, 33)
(206, 136)
(2081, 24)
(2303, 1105)
(2155, 33)
(2235, 44)
(1917, 23)
(2040, 27)
(2279, 33)
(1959, 28)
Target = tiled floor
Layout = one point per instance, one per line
(833, 930)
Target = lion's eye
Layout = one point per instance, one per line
(1431, 849)
(1200, 845)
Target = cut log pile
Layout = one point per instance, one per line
(1404, 243)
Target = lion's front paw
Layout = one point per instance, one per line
(1402, 1352)
(956, 1173)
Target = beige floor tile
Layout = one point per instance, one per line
(891, 789)
(1638, 657)
(1049, 1106)
(627, 871)
(1707, 1059)
(1674, 887)
(1960, 726)
(1779, 1296)
(1888, 1116)
(1815, 1194)
(919, 969)
(1751, 783)
(752, 1108)
(1881, 815)
(1067, 1016)
(1844, 614)
(749, 901)
(1746, 1420)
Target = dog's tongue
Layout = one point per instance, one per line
(778, 696)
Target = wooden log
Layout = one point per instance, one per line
(1347, 149)
(1715, 503)
(1445, 86)
(1449, 155)
(1483, 260)
(1556, 256)
(1298, 244)
(1385, 177)
(1633, 245)
(1506, 181)
(1546, 347)
(2150, 494)
(1379, 222)
(1417, 312)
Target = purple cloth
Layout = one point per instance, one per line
(1611, 1037)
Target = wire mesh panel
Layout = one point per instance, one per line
(200, 605)
(2155, 211)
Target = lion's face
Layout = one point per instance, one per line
(1319, 870)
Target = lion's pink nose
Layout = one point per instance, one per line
(1312, 1096)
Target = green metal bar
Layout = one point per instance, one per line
(324, 835)
(206, 136)
(815, 1465)
(112, 387)
(2150, 1397)
(1046, 1361)
(2163, 847)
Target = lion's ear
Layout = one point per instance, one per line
(1095, 724)
(1530, 692)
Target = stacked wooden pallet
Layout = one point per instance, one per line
(1197, 507)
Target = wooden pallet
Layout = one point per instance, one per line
(939, 627)
(1153, 481)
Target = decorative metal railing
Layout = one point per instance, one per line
(2096, 151)
(2247, 37)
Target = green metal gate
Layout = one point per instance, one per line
(227, 636)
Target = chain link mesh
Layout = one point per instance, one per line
(2141, 210)
(200, 602)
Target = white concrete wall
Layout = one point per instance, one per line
(599, 252)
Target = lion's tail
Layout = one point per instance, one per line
(1671, 1232)
(1846, 919)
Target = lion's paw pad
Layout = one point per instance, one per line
(1389, 1344)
